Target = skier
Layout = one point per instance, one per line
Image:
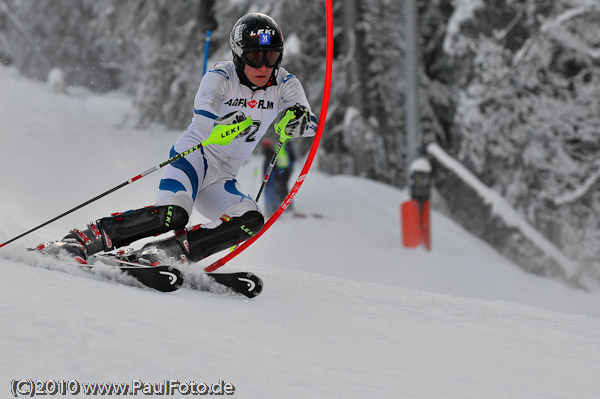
(253, 84)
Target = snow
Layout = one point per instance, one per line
(504, 210)
(463, 11)
(555, 28)
(346, 310)
(293, 45)
(579, 191)
(420, 165)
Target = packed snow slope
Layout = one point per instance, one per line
(346, 311)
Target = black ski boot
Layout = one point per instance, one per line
(170, 250)
(199, 241)
(68, 247)
(117, 230)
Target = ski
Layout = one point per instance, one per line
(244, 283)
(160, 278)
(166, 278)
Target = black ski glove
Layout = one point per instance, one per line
(296, 126)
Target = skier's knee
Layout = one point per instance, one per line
(253, 222)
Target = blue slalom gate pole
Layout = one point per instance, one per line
(206, 47)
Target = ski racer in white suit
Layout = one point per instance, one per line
(201, 180)
(253, 84)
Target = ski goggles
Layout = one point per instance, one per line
(257, 59)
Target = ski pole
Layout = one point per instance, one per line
(270, 168)
(280, 129)
(220, 135)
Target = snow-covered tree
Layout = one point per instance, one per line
(527, 117)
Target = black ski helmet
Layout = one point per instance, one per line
(256, 33)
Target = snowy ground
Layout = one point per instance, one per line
(346, 311)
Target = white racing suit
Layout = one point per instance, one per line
(205, 180)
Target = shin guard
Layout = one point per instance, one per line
(204, 242)
(124, 228)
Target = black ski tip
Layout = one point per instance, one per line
(245, 283)
(161, 278)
